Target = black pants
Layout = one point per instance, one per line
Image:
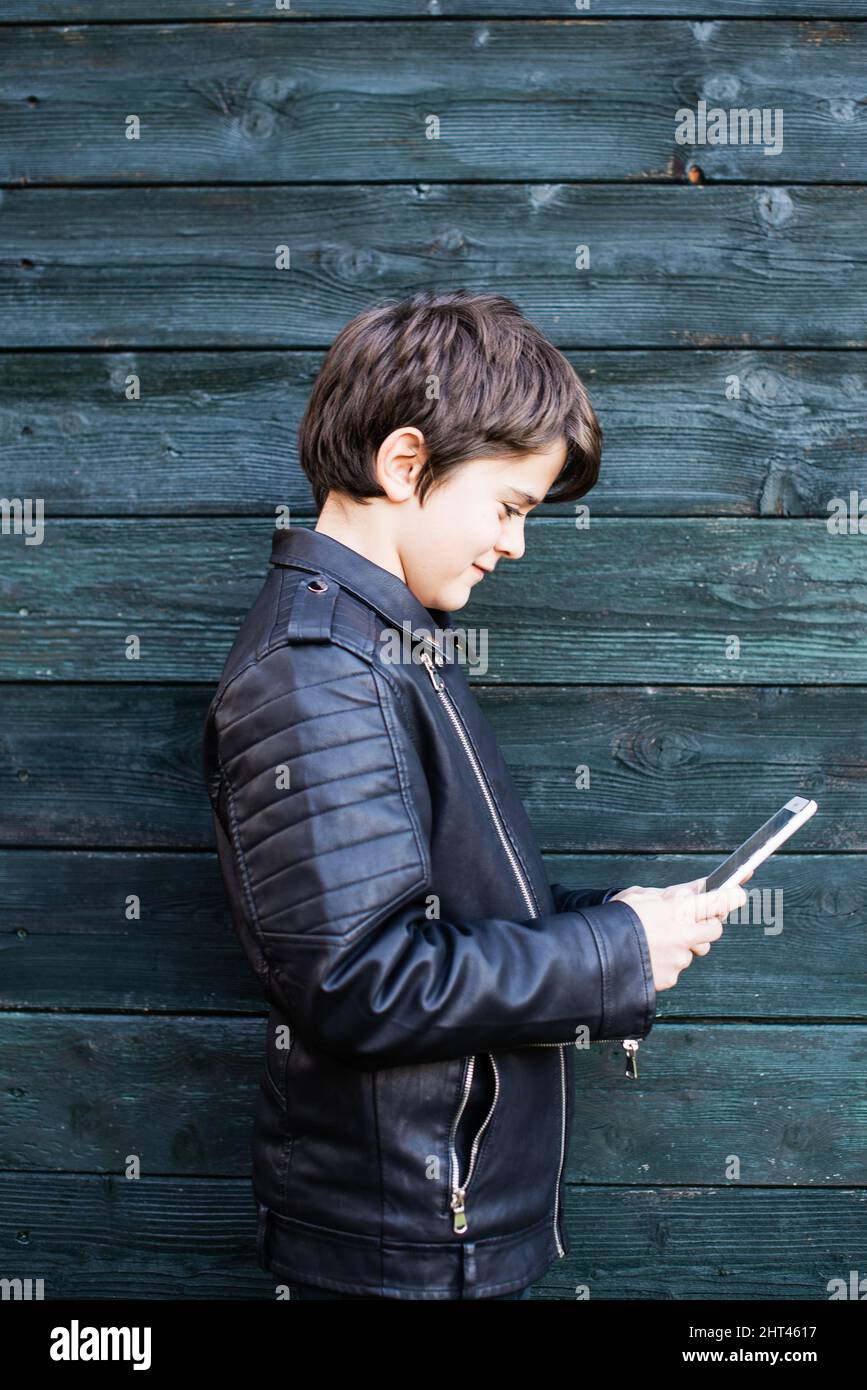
(311, 1291)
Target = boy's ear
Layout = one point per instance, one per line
(399, 461)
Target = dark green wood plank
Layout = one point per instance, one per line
(106, 1237)
(217, 432)
(77, 11)
(619, 600)
(773, 1097)
(672, 769)
(684, 769)
(711, 1243)
(83, 1091)
(62, 911)
(678, 266)
(111, 1237)
(795, 951)
(562, 99)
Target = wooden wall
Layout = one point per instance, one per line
(721, 329)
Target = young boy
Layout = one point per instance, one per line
(427, 986)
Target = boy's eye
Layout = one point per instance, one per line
(511, 511)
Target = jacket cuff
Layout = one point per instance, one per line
(574, 899)
(628, 991)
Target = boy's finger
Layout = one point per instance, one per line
(711, 929)
(729, 899)
(687, 890)
(720, 902)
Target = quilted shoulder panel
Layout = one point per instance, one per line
(314, 764)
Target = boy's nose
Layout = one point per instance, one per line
(514, 549)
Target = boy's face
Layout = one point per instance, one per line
(470, 523)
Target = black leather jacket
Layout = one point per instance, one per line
(424, 979)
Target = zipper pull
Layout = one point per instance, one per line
(436, 680)
(457, 1205)
(631, 1045)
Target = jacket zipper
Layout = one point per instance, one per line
(631, 1045)
(459, 1189)
(458, 1194)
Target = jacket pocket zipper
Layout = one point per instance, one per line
(439, 686)
(458, 1188)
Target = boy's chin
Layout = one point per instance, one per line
(453, 596)
(448, 596)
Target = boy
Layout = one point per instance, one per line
(426, 984)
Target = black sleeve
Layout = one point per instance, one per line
(326, 811)
(572, 899)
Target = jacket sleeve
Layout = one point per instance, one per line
(323, 817)
(573, 899)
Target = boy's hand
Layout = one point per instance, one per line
(695, 885)
(680, 922)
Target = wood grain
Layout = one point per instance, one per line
(560, 99)
(687, 432)
(193, 267)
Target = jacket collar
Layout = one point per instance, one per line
(303, 548)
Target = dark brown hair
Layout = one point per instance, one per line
(465, 368)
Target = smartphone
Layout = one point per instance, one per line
(762, 844)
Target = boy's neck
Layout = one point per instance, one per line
(366, 534)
